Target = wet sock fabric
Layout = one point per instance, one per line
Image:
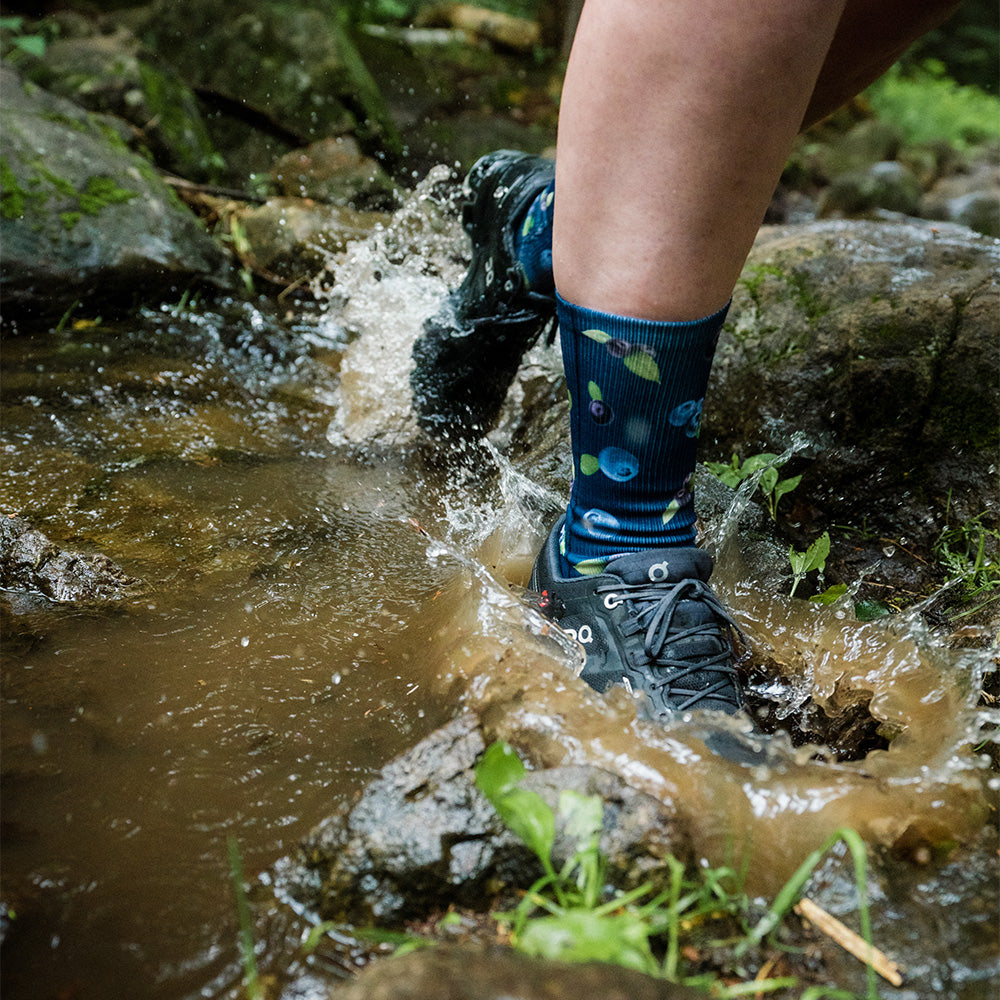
(637, 388)
(533, 241)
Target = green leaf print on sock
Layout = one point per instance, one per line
(595, 390)
(591, 567)
(643, 365)
(672, 508)
(637, 358)
(589, 464)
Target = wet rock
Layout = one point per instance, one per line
(876, 344)
(422, 837)
(467, 973)
(289, 74)
(888, 185)
(31, 562)
(934, 913)
(971, 198)
(82, 217)
(860, 147)
(104, 69)
(333, 170)
(294, 238)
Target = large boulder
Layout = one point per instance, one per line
(102, 67)
(421, 836)
(83, 218)
(288, 74)
(873, 347)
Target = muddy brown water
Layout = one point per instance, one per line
(312, 609)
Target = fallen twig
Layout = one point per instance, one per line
(849, 941)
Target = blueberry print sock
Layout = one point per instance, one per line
(636, 388)
(533, 241)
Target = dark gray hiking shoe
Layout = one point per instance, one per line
(469, 352)
(649, 622)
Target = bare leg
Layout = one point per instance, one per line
(871, 36)
(676, 121)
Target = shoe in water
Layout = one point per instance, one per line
(469, 352)
(649, 622)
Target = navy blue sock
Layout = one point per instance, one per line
(533, 241)
(637, 389)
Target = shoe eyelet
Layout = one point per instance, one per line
(613, 601)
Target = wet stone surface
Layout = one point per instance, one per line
(422, 837)
(31, 562)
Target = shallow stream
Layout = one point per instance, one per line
(320, 592)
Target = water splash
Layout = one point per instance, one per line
(380, 291)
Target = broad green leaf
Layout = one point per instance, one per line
(582, 816)
(34, 45)
(870, 610)
(817, 552)
(768, 480)
(599, 335)
(594, 389)
(726, 473)
(582, 936)
(498, 771)
(643, 365)
(755, 462)
(526, 813)
(589, 464)
(831, 594)
(529, 816)
(786, 486)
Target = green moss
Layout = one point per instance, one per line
(97, 194)
(755, 276)
(101, 192)
(12, 195)
(64, 120)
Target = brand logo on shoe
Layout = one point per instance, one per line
(489, 271)
(583, 635)
(658, 572)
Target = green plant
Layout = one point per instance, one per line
(31, 43)
(969, 552)
(765, 465)
(928, 106)
(250, 978)
(567, 915)
(814, 557)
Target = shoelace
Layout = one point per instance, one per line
(654, 607)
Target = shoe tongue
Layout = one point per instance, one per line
(669, 565)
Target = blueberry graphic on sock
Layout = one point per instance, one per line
(619, 348)
(688, 416)
(600, 520)
(600, 412)
(618, 464)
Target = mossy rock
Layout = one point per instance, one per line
(875, 345)
(293, 68)
(84, 218)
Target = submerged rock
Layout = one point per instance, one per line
(467, 973)
(422, 837)
(31, 562)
